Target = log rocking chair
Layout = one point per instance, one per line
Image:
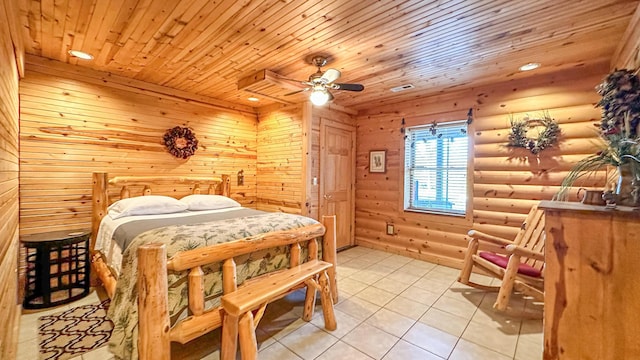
(518, 263)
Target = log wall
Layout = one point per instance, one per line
(10, 55)
(289, 155)
(506, 181)
(75, 121)
(280, 159)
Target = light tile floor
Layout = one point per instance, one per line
(391, 307)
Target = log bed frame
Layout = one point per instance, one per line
(155, 333)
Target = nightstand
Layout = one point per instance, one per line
(57, 268)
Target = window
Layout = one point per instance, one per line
(435, 177)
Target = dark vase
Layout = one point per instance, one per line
(628, 189)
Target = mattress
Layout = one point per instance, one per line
(114, 235)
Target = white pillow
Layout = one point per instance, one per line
(146, 205)
(209, 202)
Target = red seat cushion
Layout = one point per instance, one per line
(502, 261)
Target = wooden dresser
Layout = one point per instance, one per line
(592, 282)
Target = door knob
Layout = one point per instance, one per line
(327, 196)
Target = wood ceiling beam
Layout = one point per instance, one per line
(271, 77)
(627, 54)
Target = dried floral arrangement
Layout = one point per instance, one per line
(546, 138)
(620, 123)
(619, 129)
(181, 142)
(620, 104)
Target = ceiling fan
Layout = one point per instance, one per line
(320, 82)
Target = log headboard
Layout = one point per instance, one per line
(122, 187)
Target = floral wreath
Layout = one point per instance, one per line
(181, 142)
(547, 138)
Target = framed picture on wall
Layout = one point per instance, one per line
(378, 161)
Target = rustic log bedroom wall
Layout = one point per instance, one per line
(10, 54)
(75, 121)
(506, 181)
(280, 157)
(289, 155)
(69, 116)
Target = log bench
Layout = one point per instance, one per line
(239, 320)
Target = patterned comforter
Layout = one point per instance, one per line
(123, 310)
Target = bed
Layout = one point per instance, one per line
(165, 272)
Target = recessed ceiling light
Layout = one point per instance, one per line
(529, 66)
(403, 88)
(81, 54)
(253, 99)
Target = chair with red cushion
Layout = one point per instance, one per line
(518, 263)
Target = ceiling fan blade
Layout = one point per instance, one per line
(349, 87)
(330, 96)
(330, 76)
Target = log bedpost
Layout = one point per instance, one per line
(99, 203)
(329, 252)
(154, 342)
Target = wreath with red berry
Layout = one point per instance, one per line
(181, 142)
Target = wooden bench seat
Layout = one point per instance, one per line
(238, 305)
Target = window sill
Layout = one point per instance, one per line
(464, 220)
(434, 212)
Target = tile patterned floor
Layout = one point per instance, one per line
(391, 307)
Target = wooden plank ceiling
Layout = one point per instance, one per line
(206, 47)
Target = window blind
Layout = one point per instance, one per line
(436, 168)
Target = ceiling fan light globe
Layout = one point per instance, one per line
(319, 97)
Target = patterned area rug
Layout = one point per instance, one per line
(74, 332)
